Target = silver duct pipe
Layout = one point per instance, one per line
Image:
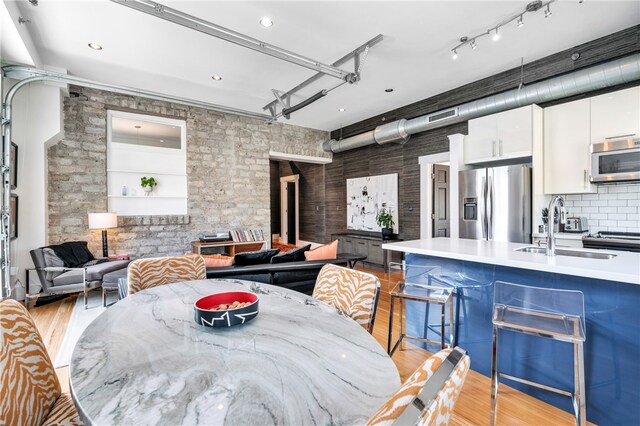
(613, 73)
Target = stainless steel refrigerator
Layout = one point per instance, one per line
(495, 204)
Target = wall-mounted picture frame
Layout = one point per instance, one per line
(14, 165)
(13, 207)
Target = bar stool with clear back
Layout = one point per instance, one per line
(420, 284)
(548, 313)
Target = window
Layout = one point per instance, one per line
(146, 146)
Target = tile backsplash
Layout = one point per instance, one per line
(613, 208)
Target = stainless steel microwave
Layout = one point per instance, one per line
(615, 161)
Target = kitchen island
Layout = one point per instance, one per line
(612, 300)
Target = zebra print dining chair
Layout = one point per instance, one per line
(429, 395)
(152, 272)
(351, 292)
(30, 390)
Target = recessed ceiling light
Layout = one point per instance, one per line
(161, 140)
(95, 46)
(389, 90)
(216, 78)
(266, 22)
(342, 110)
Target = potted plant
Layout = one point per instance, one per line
(147, 184)
(386, 222)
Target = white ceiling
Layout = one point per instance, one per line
(414, 58)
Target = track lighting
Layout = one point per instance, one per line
(494, 31)
(496, 35)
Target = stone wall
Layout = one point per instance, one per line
(227, 174)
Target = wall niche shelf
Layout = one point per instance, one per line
(149, 197)
(145, 173)
(142, 145)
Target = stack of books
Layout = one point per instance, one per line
(245, 235)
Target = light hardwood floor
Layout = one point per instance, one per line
(472, 408)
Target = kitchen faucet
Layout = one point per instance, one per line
(556, 202)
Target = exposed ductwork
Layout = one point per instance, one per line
(613, 73)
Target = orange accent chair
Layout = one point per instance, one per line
(30, 390)
(153, 272)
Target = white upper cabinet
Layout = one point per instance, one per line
(480, 145)
(615, 115)
(566, 148)
(515, 132)
(501, 136)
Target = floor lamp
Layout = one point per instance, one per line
(103, 221)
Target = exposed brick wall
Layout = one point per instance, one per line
(227, 175)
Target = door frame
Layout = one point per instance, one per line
(456, 163)
(283, 207)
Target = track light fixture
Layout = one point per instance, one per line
(533, 6)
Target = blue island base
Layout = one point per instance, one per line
(612, 347)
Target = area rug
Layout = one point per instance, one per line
(80, 320)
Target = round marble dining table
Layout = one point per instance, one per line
(145, 361)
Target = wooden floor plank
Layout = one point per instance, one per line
(472, 408)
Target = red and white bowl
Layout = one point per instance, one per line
(226, 318)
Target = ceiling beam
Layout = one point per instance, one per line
(354, 53)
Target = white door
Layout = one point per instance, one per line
(566, 148)
(615, 115)
(481, 144)
(514, 133)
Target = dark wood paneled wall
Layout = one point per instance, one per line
(311, 197)
(604, 49)
(379, 160)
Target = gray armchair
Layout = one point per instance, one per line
(58, 279)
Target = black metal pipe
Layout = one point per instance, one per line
(312, 99)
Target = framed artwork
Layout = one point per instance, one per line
(14, 165)
(13, 207)
(366, 196)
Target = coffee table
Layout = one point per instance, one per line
(352, 258)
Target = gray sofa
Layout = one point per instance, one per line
(60, 277)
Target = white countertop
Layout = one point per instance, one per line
(562, 235)
(625, 267)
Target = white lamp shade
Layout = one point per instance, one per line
(103, 220)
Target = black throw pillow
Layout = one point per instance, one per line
(81, 251)
(254, 257)
(73, 253)
(295, 255)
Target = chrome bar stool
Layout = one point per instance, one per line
(542, 312)
(421, 284)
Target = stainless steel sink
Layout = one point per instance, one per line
(533, 249)
(565, 252)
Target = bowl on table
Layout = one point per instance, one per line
(226, 309)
